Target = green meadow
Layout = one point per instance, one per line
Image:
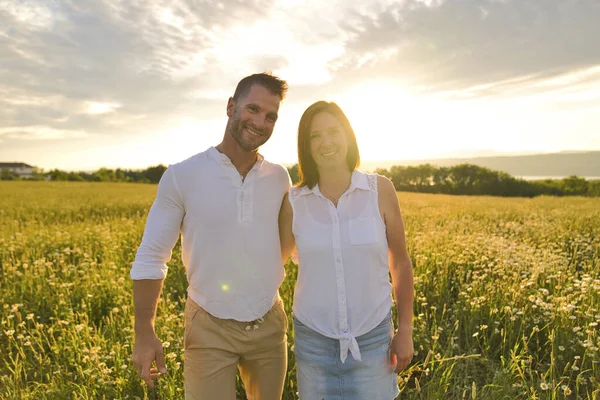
(507, 295)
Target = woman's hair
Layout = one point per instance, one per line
(307, 168)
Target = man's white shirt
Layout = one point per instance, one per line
(229, 233)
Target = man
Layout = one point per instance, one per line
(225, 203)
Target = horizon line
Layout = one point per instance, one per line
(365, 161)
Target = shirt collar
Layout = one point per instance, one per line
(357, 181)
(223, 160)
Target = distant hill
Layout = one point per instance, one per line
(583, 164)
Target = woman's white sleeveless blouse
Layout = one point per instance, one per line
(343, 289)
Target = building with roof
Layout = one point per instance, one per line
(18, 169)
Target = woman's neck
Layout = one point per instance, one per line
(333, 182)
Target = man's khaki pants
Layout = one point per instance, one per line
(215, 348)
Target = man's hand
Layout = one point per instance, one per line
(401, 350)
(147, 349)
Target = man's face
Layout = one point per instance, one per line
(252, 118)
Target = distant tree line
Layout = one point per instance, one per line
(464, 179)
(469, 179)
(148, 175)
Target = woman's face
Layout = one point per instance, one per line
(328, 143)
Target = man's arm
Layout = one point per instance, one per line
(400, 266)
(286, 236)
(148, 347)
(148, 272)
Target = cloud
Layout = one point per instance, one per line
(457, 44)
(40, 133)
(66, 64)
(129, 68)
(36, 16)
(576, 90)
(94, 107)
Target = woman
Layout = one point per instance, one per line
(344, 223)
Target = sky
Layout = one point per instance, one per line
(133, 83)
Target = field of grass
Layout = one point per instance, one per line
(507, 295)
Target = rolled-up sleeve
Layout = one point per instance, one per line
(162, 231)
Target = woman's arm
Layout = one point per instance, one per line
(286, 236)
(401, 271)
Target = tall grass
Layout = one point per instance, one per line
(507, 296)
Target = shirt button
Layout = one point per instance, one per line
(337, 260)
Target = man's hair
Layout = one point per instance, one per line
(307, 168)
(266, 79)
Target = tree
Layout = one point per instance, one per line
(463, 178)
(74, 177)
(153, 174)
(294, 174)
(7, 175)
(104, 175)
(58, 175)
(573, 185)
(38, 174)
(442, 181)
(594, 188)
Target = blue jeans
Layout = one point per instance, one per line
(322, 375)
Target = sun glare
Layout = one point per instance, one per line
(393, 123)
(384, 120)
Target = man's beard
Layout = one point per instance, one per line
(235, 129)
